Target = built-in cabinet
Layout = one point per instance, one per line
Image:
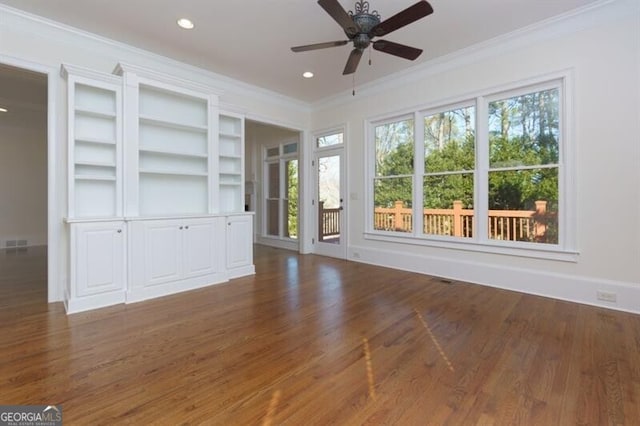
(98, 256)
(177, 254)
(239, 236)
(156, 189)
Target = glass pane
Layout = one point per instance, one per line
(393, 204)
(273, 152)
(290, 206)
(329, 140)
(448, 205)
(290, 148)
(524, 130)
(523, 205)
(274, 180)
(394, 148)
(329, 199)
(272, 217)
(449, 141)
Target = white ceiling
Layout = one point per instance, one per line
(250, 40)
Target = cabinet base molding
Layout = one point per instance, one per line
(241, 272)
(87, 303)
(140, 294)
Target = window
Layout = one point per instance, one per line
(449, 165)
(393, 187)
(329, 140)
(523, 167)
(490, 171)
(281, 189)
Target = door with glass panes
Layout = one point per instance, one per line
(329, 202)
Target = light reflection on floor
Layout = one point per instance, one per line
(271, 410)
(367, 359)
(434, 340)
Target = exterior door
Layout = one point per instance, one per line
(330, 237)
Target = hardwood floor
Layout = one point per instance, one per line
(313, 340)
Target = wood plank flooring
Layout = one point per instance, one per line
(317, 341)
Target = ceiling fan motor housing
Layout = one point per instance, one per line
(365, 22)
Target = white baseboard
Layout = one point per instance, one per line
(278, 243)
(87, 303)
(571, 288)
(139, 294)
(242, 271)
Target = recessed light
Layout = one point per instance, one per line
(307, 74)
(3, 109)
(185, 23)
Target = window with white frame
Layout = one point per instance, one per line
(281, 191)
(490, 170)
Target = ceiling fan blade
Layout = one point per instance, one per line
(352, 62)
(400, 19)
(319, 46)
(397, 49)
(337, 12)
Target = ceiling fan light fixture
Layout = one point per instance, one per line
(186, 24)
(307, 74)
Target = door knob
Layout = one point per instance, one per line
(119, 231)
(181, 227)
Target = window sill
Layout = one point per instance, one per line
(529, 250)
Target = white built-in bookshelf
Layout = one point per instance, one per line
(231, 162)
(173, 152)
(181, 154)
(155, 176)
(95, 135)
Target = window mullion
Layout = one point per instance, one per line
(418, 173)
(481, 175)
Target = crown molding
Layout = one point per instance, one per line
(68, 69)
(125, 67)
(571, 22)
(221, 82)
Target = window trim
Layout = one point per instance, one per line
(565, 250)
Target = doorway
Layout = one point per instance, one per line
(330, 205)
(272, 162)
(24, 114)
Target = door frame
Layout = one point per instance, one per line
(323, 249)
(55, 291)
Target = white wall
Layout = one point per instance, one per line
(23, 182)
(602, 50)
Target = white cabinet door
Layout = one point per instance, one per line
(199, 248)
(99, 256)
(239, 241)
(163, 251)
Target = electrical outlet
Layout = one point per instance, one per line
(606, 296)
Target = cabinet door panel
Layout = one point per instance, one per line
(163, 246)
(100, 260)
(199, 249)
(239, 241)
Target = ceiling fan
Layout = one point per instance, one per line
(361, 26)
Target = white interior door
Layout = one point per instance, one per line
(329, 203)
